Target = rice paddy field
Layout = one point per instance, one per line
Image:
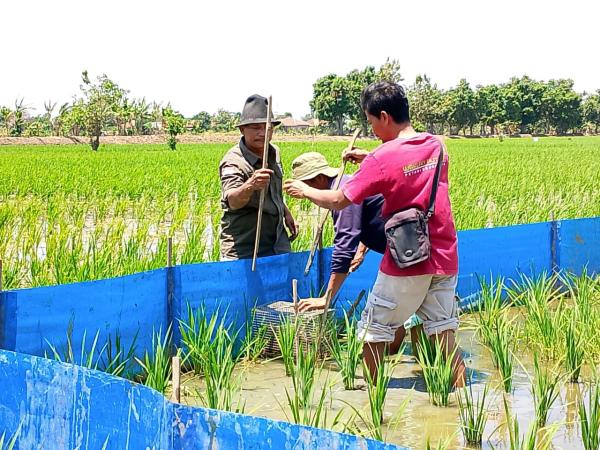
(532, 348)
(68, 214)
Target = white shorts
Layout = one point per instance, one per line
(393, 300)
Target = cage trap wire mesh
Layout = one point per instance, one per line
(277, 313)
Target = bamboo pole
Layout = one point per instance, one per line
(261, 203)
(169, 251)
(323, 215)
(295, 294)
(176, 379)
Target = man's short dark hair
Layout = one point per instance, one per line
(388, 97)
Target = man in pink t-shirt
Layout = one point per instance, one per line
(402, 170)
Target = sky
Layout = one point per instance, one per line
(205, 55)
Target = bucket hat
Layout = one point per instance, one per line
(255, 111)
(309, 165)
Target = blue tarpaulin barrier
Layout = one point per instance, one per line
(139, 304)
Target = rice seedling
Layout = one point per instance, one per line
(196, 334)
(90, 358)
(285, 334)
(545, 388)
(574, 349)
(10, 445)
(347, 353)
(530, 440)
(443, 444)
(156, 366)
(542, 324)
(437, 369)
(255, 341)
(489, 308)
(303, 389)
(473, 413)
(218, 365)
(502, 346)
(589, 419)
(117, 359)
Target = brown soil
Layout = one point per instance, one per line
(205, 138)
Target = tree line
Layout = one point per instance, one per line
(521, 105)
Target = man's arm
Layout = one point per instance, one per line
(237, 197)
(324, 198)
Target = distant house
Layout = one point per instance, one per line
(315, 122)
(289, 123)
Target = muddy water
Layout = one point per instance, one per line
(410, 418)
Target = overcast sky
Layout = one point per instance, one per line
(205, 55)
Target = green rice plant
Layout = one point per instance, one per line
(437, 369)
(117, 359)
(10, 445)
(443, 444)
(574, 348)
(300, 400)
(490, 308)
(377, 390)
(542, 324)
(502, 346)
(545, 388)
(156, 366)
(530, 440)
(473, 413)
(286, 336)
(254, 342)
(90, 358)
(218, 365)
(589, 419)
(347, 353)
(196, 334)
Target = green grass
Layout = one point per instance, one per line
(108, 213)
(545, 389)
(286, 335)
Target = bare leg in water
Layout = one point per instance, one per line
(449, 347)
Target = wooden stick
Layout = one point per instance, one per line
(176, 378)
(323, 215)
(352, 308)
(323, 322)
(0, 275)
(261, 202)
(295, 294)
(169, 251)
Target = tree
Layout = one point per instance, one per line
(331, 100)
(390, 71)
(224, 121)
(99, 105)
(561, 106)
(591, 110)
(202, 124)
(527, 94)
(5, 114)
(490, 106)
(356, 82)
(425, 102)
(18, 118)
(174, 124)
(463, 106)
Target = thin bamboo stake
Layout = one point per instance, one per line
(323, 215)
(295, 294)
(0, 275)
(176, 379)
(169, 251)
(261, 202)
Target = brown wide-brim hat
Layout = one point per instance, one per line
(255, 111)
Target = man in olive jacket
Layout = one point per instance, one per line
(242, 179)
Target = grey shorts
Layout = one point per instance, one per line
(394, 299)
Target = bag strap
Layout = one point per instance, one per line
(436, 181)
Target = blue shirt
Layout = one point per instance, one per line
(355, 224)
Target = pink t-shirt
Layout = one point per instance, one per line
(402, 171)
